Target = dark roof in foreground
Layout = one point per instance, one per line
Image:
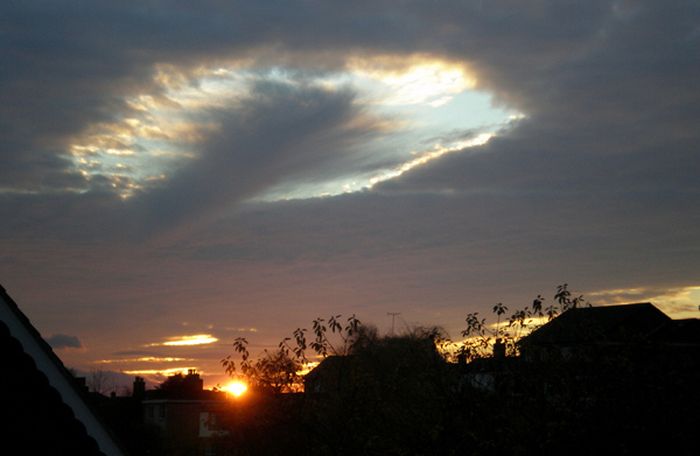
(608, 324)
(43, 410)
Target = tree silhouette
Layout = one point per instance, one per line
(389, 396)
(480, 337)
(397, 394)
(278, 371)
(275, 372)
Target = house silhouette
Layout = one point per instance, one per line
(44, 409)
(582, 332)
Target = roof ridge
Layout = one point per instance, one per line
(68, 379)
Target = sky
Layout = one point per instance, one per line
(175, 173)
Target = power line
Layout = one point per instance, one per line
(393, 318)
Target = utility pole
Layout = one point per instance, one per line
(393, 318)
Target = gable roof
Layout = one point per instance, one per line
(609, 324)
(45, 411)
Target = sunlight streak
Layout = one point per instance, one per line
(426, 157)
(178, 341)
(423, 80)
(407, 100)
(162, 372)
(144, 359)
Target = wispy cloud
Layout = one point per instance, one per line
(143, 359)
(162, 372)
(187, 340)
(241, 329)
(677, 302)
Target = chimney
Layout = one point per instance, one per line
(82, 385)
(139, 390)
(499, 349)
(193, 383)
(462, 358)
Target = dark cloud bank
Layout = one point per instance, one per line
(59, 341)
(597, 186)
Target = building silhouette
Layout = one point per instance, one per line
(187, 416)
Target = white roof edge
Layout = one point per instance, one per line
(57, 379)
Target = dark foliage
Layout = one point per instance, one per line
(402, 396)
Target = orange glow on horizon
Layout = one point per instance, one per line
(308, 367)
(236, 388)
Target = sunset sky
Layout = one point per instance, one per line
(174, 175)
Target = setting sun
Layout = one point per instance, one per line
(236, 388)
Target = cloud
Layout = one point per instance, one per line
(596, 185)
(143, 359)
(679, 302)
(241, 329)
(188, 340)
(139, 353)
(279, 129)
(62, 341)
(107, 53)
